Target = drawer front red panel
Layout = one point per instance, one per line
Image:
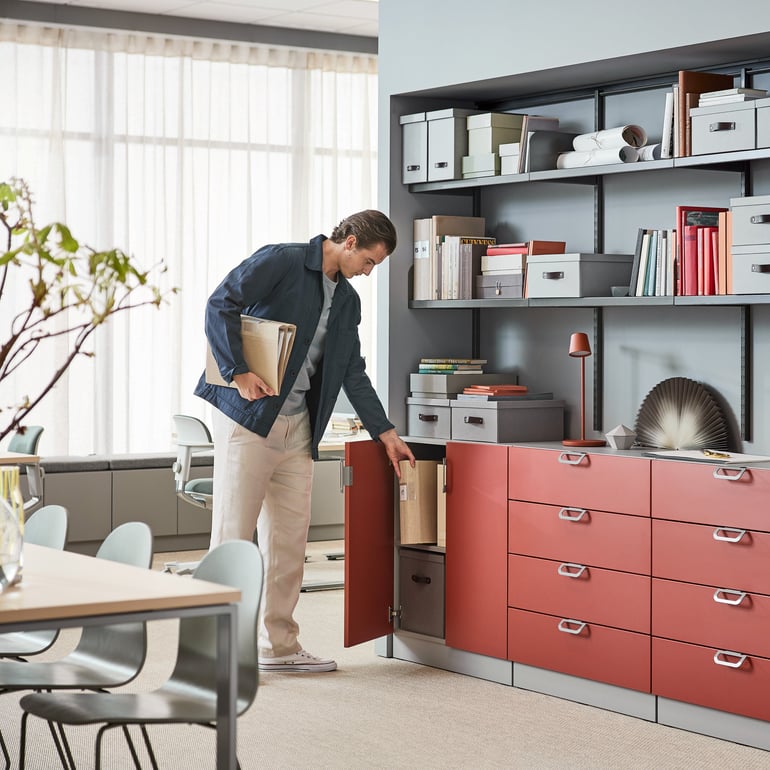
(603, 596)
(604, 654)
(595, 538)
(689, 552)
(687, 672)
(603, 482)
(690, 492)
(689, 613)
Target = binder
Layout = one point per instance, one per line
(267, 345)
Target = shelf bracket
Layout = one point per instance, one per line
(746, 373)
(598, 356)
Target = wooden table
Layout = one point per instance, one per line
(61, 589)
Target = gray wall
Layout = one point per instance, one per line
(435, 53)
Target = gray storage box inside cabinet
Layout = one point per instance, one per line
(421, 591)
(577, 275)
(414, 148)
(501, 285)
(751, 220)
(763, 122)
(428, 417)
(723, 128)
(447, 143)
(751, 269)
(503, 422)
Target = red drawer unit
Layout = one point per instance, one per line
(719, 556)
(709, 494)
(611, 598)
(720, 679)
(580, 535)
(723, 617)
(603, 482)
(575, 647)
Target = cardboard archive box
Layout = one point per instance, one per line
(417, 501)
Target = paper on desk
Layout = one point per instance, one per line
(698, 455)
(266, 348)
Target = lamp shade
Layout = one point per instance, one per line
(579, 344)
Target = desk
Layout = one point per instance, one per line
(61, 589)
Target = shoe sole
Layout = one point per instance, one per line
(299, 667)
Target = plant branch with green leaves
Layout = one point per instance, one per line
(72, 290)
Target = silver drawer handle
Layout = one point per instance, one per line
(441, 164)
(470, 419)
(723, 125)
(571, 626)
(570, 570)
(760, 268)
(723, 658)
(735, 537)
(413, 168)
(725, 475)
(564, 514)
(564, 458)
(721, 596)
(556, 275)
(428, 417)
(760, 219)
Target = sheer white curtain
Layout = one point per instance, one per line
(190, 152)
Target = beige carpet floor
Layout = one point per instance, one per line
(380, 713)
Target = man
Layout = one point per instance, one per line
(265, 442)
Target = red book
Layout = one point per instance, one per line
(507, 248)
(701, 252)
(692, 215)
(689, 254)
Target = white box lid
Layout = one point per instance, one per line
(750, 200)
(711, 109)
(415, 117)
(449, 112)
(498, 119)
(578, 257)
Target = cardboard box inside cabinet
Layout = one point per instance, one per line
(440, 507)
(417, 501)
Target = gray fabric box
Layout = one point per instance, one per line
(503, 422)
(751, 220)
(428, 417)
(577, 274)
(509, 285)
(421, 591)
(723, 128)
(414, 149)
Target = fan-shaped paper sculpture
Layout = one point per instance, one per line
(680, 413)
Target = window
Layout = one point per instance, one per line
(188, 152)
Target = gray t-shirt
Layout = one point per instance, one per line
(295, 401)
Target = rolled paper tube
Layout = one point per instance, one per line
(649, 152)
(605, 157)
(635, 136)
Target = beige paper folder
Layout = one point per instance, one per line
(417, 501)
(266, 348)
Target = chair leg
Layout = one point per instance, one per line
(67, 764)
(148, 745)
(59, 735)
(4, 749)
(131, 748)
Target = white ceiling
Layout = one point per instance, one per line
(349, 17)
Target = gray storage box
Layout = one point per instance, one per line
(763, 122)
(414, 144)
(447, 143)
(428, 417)
(421, 591)
(577, 275)
(447, 385)
(723, 128)
(503, 285)
(751, 269)
(751, 220)
(503, 422)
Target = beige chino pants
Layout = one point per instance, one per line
(266, 483)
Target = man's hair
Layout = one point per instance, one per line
(370, 228)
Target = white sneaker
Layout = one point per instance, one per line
(298, 661)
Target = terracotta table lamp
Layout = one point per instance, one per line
(580, 347)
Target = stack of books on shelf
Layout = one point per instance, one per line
(432, 381)
(729, 95)
(503, 267)
(691, 260)
(502, 392)
(451, 365)
(447, 254)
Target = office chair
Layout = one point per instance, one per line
(25, 441)
(46, 526)
(105, 656)
(189, 696)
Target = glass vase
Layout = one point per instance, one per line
(11, 526)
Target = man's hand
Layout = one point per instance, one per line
(396, 449)
(252, 387)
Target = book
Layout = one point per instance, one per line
(421, 261)
(495, 390)
(534, 246)
(666, 141)
(690, 260)
(755, 92)
(507, 248)
(478, 368)
(691, 215)
(267, 345)
(443, 225)
(503, 262)
(529, 124)
(453, 360)
(511, 397)
(472, 251)
(635, 264)
(722, 247)
(705, 102)
(442, 370)
(695, 83)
